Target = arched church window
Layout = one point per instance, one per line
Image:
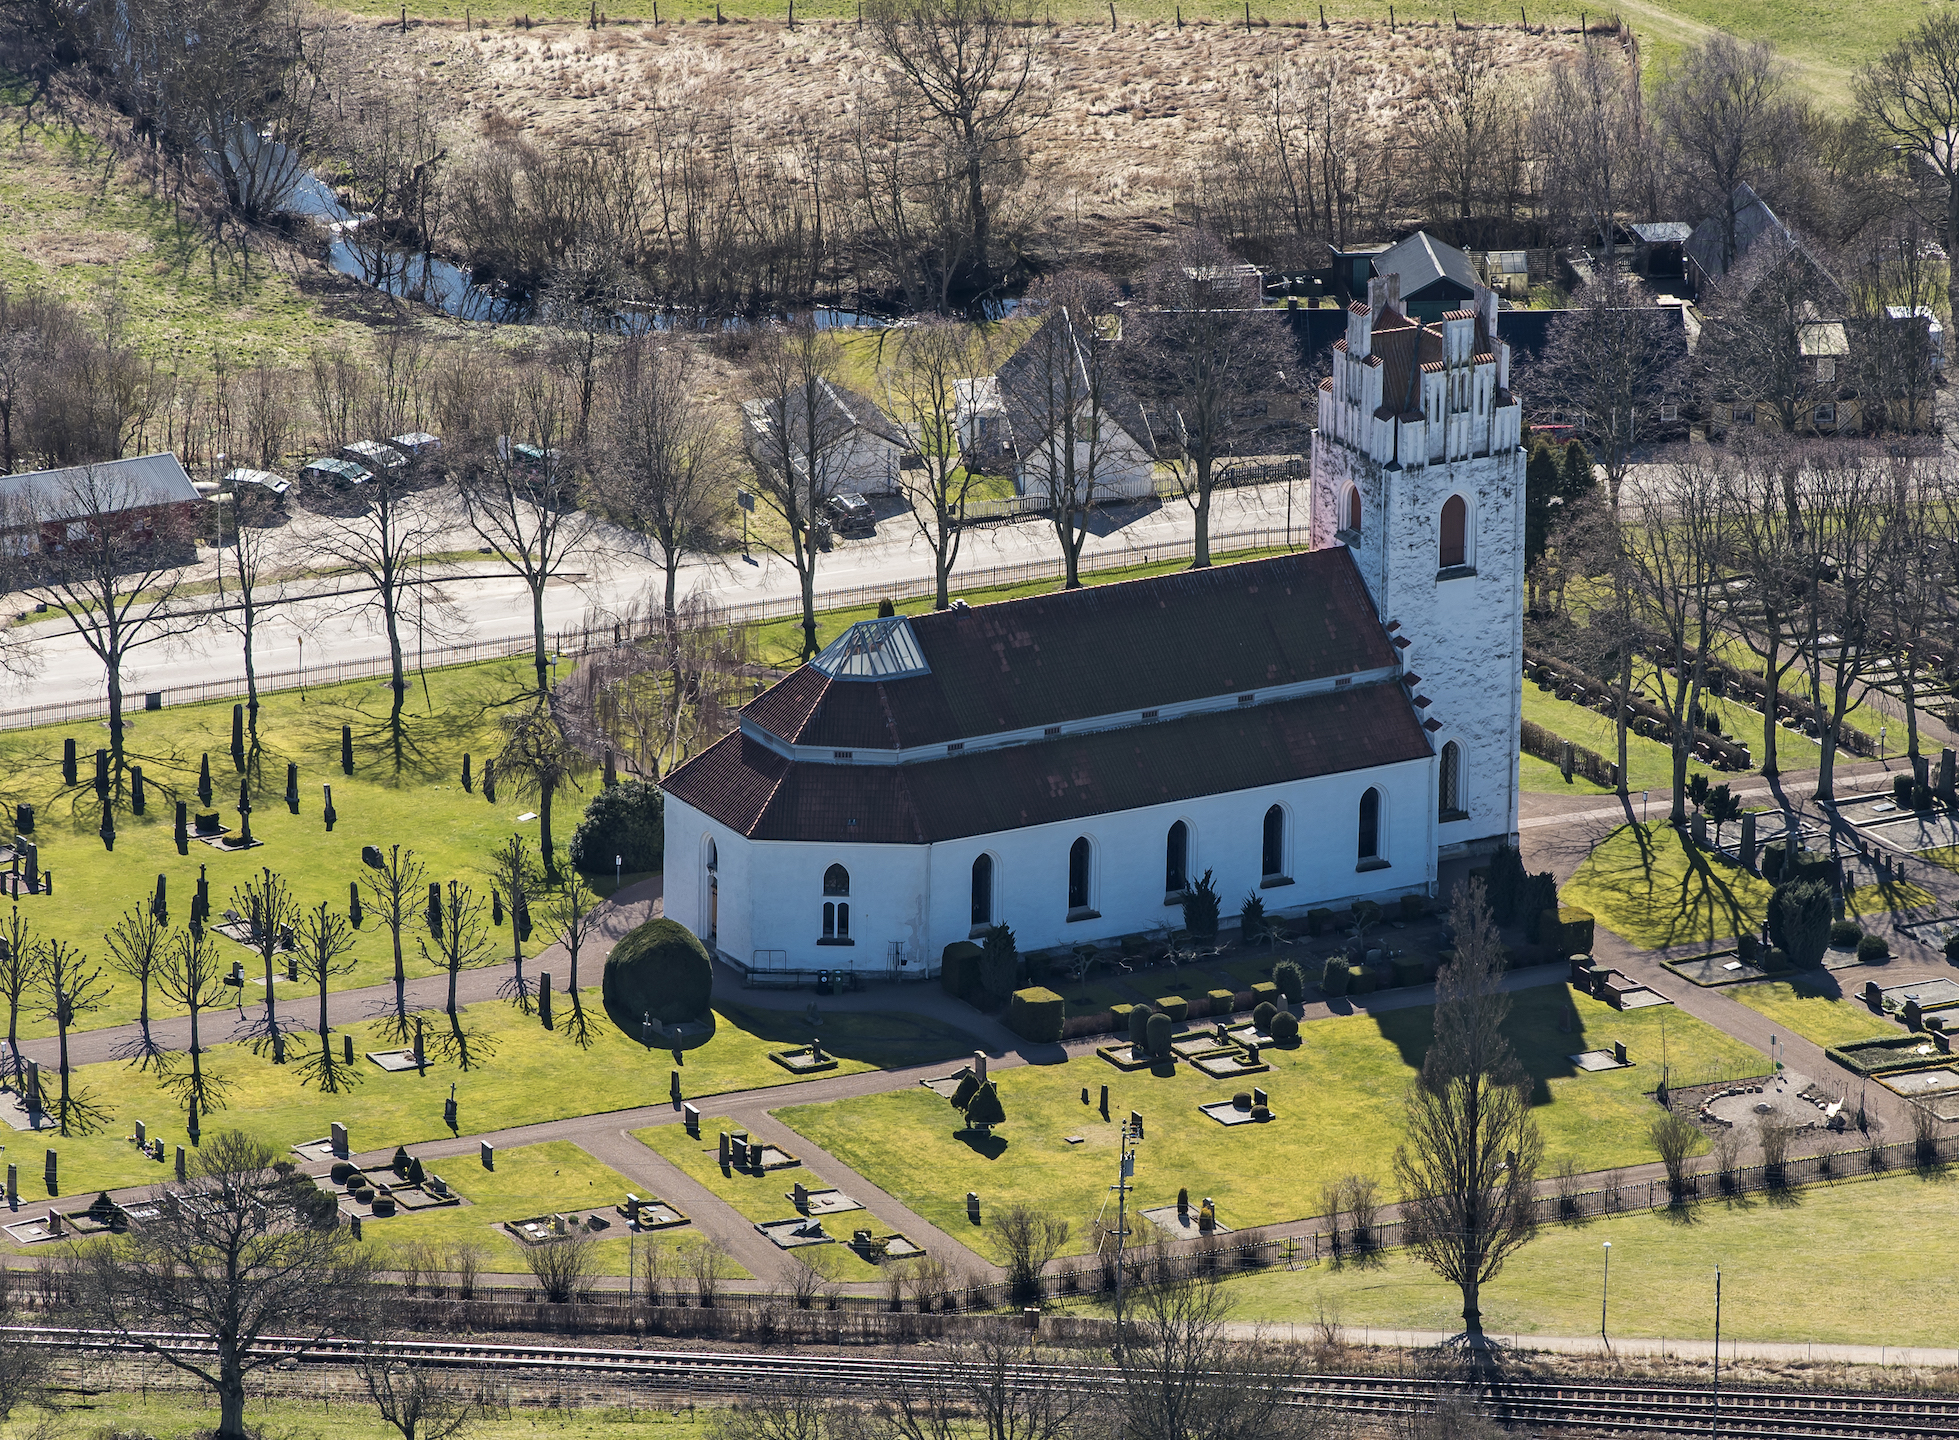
(836, 920)
(1455, 526)
(1273, 852)
(836, 881)
(1370, 825)
(1353, 509)
(1079, 855)
(983, 890)
(1449, 792)
(1176, 859)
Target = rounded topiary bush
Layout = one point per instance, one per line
(659, 969)
(1845, 933)
(1158, 1031)
(1873, 947)
(1242, 1100)
(1262, 1015)
(1285, 1027)
(341, 1170)
(1952, 948)
(1290, 979)
(627, 820)
(1261, 1113)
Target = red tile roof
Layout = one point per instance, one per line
(758, 793)
(1101, 650)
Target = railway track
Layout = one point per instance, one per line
(1629, 1408)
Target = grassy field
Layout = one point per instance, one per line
(175, 1414)
(420, 806)
(779, 642)
(762, 1197)
(1645, 883)
(78, 227)
(530, 1075)
(1663, 1273)
(1815, 1008)
(1337, 1099)
(528, 1182)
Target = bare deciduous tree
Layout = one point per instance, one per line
(1911, 96)
(237, 1254)
(460, 943)
(136, 946)
(573, 918)
(922, 386)
(326, 943)
(1724, 114)
(394, 891)
(1030, 1239)
(70, 987)
(974, 65)
(1063, 382)
(193, 975)
(1469, 1162)
(267, 909)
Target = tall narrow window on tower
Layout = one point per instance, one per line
(1370, 825)
(1353, 510)
(1455, 525)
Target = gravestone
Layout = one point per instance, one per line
(725, 1148)
(292, 786)
(1251, 1053)
(13, 1187)
(544, 1004)
(816, 1051)
(632, 1211)
(691, 1117)
(1084, 1095)
(1874, 997)
(1748, 840)
(1136, 1123)
(801, 1196)
(1921, 769)
(1697, 827)
(33, 868)
(979, 1066)
(673, 1088)
(137, 797)
(1619, 1052)
(1566, 760)
(972, 1206)
(354, 1225)
(1914, 1016)
(142, 1135)
(738, 1146)
(54, 1223)
(489, 1156)
(182, 1163)
(1105, 1102)
(1258, 1096)
(338, 1142)
(1577, 973)
(52, 1172)
(1946, 775)
(24, 819)
(34, 1087)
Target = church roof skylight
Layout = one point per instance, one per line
(882, 649)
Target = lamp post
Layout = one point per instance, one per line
(1605, 1289)
(1645, 805)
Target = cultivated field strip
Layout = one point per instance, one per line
(1743, 1414)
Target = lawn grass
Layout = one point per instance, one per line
(765, 1197)
(1799, 1267)
(421, 806)
(1649, 764)
(1815, 1008)
(528, 1181)
(530, 1075)
(1337, 1098)
(1541, 777)
(779, 642)
(81, 229)
(1645, 883)
(878, 1039)
(181, 1414)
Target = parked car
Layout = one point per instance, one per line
(416, 444)
(851, 515)
(259, 495)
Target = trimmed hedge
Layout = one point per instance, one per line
(1036, 1014)
(659, 968)
(1221, 1001)
(1157, 1036)
(1265, 990)
(1887, 1057)
(1410, 970)
(1290, 979)
(1873, 947)
(1334, 982)
(959, 969)
(1175, 1006)
(1567, 929)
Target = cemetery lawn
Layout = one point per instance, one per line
(529, 1181)
(181, 1414)
(1811, 1007)
(531, 1075)
(1663, 1269)
(873, 1039)
(422, 807)
(1337, 1098)
(1541, 777)
(1649, 764)
(763, 1197)
(1646, 883)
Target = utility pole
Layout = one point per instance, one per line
(1130, 1140)
(1717, 1350)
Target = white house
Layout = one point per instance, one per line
(862, 446)
(1015, 418)
(1313, 728)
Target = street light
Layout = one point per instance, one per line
(1605, 1288)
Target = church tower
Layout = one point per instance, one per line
(1417, 469)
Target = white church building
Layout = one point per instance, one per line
(1313, 728)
